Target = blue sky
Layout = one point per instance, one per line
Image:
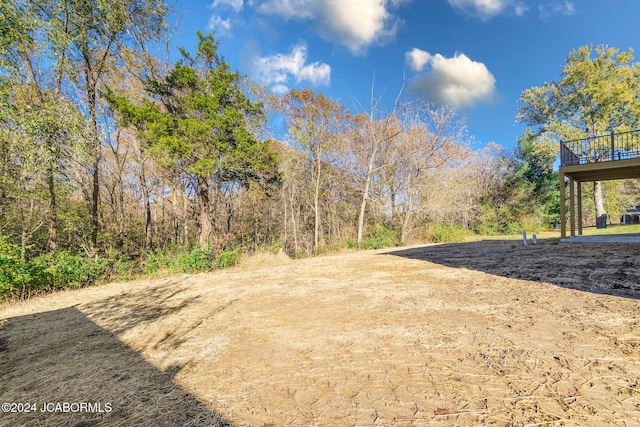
(476, 55)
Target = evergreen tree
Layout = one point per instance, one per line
(195, 120)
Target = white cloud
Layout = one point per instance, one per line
(566, 8)
(279, 89)
(277, 70)
(354, 24)
(487, 9)
(417, 58)
(288, 8)
(221, 27)
(236, 5)
(520, 8)
(457, 81)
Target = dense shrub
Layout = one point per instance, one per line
(227, 258)
(18, 278)
(511, 228)
(123, 267)
(152, 261)
(65, 270)
(177, 259)
(379, 236)
(61, 269)
(446, 233)
(195, 261)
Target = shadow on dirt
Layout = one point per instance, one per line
(605, 268)
(142, 310)
(62, 356)
(130, 309)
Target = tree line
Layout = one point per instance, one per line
(115, 162)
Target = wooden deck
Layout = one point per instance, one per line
(599, 158)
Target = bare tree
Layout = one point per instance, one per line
(315, 124)
(370, 132)
(434, 136)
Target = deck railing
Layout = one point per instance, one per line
(600, 148)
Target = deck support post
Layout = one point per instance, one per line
(579, 198)
(572, 206)
(563, 209)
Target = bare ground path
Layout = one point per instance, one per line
(454, 335)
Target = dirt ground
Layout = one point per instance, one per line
(481, 333)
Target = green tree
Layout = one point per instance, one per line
(196, 120)
(41, 124)
(520, 189)
(86, 37)
(599, 91)
(43, 131)
(535, 156)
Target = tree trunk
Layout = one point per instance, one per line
(95, 196)
(161, 229)
(406, 221)
(284, 211)
(148, 235)
(296, 247)
(185, 218)
(598, 198)
(316, 207)
(176, 219)
(23, 245)
(254, 219)
(363, 207)
(365, 193)
(205, 220)
(394, 209)
(95, 141)
(123, 212)
(53, 213)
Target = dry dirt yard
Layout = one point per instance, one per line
(482, 333)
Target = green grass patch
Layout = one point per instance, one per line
(631, 229)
